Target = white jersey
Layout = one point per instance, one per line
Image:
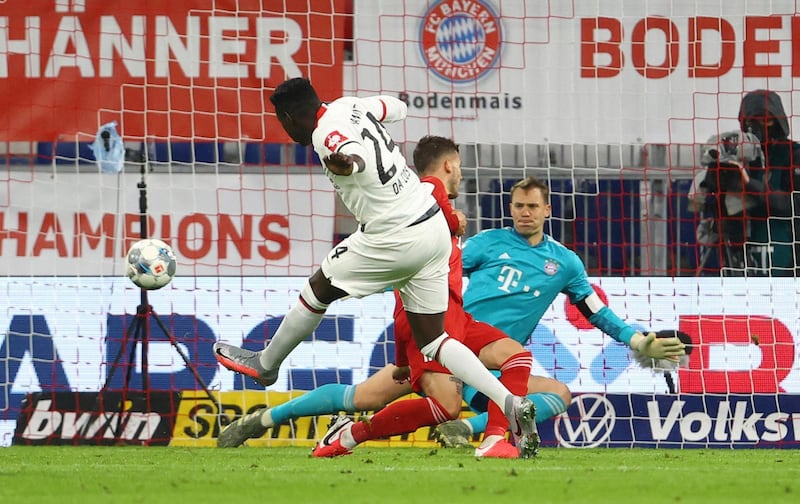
(386, 195)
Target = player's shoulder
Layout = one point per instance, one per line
(436, 182)
(334, 127)
(344, 101)
(352, 107)
(337, 110)
(554, 244)
(557, 245)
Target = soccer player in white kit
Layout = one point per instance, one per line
(402, 241)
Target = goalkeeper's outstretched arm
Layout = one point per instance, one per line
(601, 316)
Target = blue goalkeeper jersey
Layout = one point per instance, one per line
(511, 283)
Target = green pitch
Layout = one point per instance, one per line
(382, 475)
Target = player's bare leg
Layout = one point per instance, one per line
(376, 392)
(456, 357)
(514, 363)
(297, 325)
(442, 403)
(435, 385)
(551, 386)
(445, 388)
(379, 390)
(550, 396)
(302, 319)
(434, 343)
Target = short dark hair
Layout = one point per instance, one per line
(529, 183)
(294, 95)
(431, 148)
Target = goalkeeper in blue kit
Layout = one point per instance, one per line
(515, 274)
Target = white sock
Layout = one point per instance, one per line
(266, 418)
(296, 326)
(465, 365)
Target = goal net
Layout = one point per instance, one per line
(617, 106)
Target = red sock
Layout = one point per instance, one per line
(514, 375)
(400, 417)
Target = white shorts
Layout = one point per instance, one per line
(414, 260)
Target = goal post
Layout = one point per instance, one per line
(612, 104)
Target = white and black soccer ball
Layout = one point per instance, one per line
(150, 264)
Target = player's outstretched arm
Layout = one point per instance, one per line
(386, 108)
(651, 346)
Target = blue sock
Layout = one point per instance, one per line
(327, 399)
(478, 422)
(547, 405)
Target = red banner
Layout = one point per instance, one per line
(186, 69)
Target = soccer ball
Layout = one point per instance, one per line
(151, 264)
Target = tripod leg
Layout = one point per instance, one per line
(705, 252)
(121, 350)
(670, 382)
(140, 335)
(137, 328)
(186, 360)
(143, 343)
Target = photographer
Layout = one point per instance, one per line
(771, 244)
(745, 190)
(717, 193)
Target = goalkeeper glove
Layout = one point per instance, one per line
(658, 348)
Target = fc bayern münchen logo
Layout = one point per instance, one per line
(460, 41)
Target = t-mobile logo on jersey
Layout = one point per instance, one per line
(509, 277)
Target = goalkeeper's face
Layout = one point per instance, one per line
(529, 211)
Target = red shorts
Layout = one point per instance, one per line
(459, 325)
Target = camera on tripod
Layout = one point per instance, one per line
(719, 197)
(724, 159)
(150, 264)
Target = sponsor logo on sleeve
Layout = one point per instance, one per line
(334, 140)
